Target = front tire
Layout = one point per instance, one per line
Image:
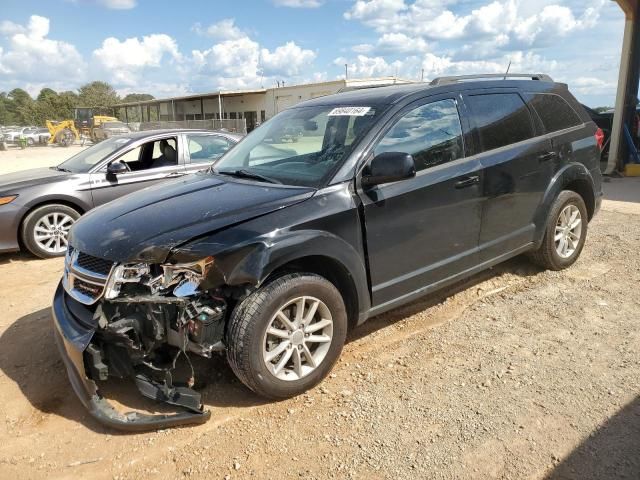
(45, 230)
(284, 338)
(565, 233)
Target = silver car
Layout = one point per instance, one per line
(39, 206)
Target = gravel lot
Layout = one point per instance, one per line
(517, 373)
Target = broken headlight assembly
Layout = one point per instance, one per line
(179, 279)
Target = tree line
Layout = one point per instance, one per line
(17, 107)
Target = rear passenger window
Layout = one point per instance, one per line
(431, 133)
(554, 111)
(501, 119)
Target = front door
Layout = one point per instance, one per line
(149, 163)
(423, 230)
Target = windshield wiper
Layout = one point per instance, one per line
(246, 174)
(61, 169)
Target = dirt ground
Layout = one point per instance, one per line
(15, 159)
(517, 373)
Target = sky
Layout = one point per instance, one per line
(169, 48)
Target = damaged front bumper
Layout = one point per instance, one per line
(73, 337)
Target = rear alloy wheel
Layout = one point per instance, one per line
(46, 229)
(565, 232)
(284, 338)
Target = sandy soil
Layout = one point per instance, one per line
(15, 159)
(517, 373)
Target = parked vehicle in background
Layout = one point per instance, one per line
(39, 136)
(12, 136)
(109, 129)
(38, 207)
(390, 193)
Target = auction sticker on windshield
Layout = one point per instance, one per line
(350, 111)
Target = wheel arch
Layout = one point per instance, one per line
(574, 177)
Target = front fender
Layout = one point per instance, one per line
(566, 175)
(253, 262)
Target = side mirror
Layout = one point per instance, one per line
(117, 168)
(389, 167)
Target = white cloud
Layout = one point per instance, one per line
(33, 57)
(433, 19)
(126, 60)
(9, 28)
(225, 29)
(288, 59)
(298, 3)
(118, 4)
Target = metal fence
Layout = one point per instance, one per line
(238, 125)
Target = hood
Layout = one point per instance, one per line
(12, 182)
(146, 225)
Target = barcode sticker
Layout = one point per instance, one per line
(349, 111)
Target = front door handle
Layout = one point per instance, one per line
(467, 181)
(175, 174)
(546, 156)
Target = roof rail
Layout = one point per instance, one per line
(461, 78)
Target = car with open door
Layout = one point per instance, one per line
(39, 206)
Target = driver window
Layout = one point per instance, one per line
(431, 133)
(156, 154)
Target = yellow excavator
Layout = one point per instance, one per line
(82, 127)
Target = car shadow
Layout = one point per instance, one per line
(6, 258)
(612, 451)
(29, 357)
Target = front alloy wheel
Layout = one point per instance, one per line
(285, 337)
(298, 338)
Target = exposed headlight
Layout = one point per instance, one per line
(185, 278)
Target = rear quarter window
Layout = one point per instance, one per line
(554, 112)
(500, 119)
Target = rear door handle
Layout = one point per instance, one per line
(467, 181)
(547, 156)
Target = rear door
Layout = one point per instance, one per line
(140, 159)
(516, 160)
(425, 229)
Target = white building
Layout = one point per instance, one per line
(254, 106)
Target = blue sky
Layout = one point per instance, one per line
(169, 48)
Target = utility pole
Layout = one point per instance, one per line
(422, 76)
(220, 107)
(346, 71)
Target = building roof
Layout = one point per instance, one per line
(222, 93)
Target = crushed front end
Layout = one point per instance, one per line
(135, 321)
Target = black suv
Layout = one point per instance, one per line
(279, 249)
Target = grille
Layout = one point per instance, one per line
(94, 264)
(85, 276)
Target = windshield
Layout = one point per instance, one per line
(87, 159)
(300, 146)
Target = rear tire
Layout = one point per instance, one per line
(45, 230)
(565, 233)
(268, 322)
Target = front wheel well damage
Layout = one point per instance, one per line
(330, 269)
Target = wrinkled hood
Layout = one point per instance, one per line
(147, 224)
(12, 182)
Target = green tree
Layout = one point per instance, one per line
(137, 97)
(100, 96)
(21, 106)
